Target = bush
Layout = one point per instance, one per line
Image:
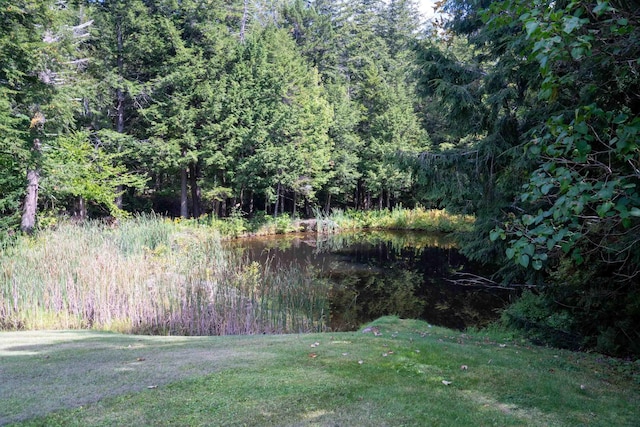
(542, 321)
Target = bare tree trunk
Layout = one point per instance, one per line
(243, 23)
(30, 205)
(251, 201)
(80, 211)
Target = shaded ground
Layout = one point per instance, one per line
(43, 371)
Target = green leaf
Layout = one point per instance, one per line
(634, 212)
(536, 264)
(577, 52)
(531, 27)
(581, 128)
(524, 261)
(546, 188)
(510, 252)
(577, 257)
(620, 118)
(601, 8)
(571, 24)
(529, 250)
(604, 208)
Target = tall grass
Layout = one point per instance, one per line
(400, 218)
(150, 275)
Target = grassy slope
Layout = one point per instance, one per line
(89, 378)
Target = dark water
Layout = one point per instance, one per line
(384, 273)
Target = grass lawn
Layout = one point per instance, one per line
(400, 373)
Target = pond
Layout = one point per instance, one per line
(371, 274)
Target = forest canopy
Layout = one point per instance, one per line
(525, 114)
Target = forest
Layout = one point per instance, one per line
(524, 114)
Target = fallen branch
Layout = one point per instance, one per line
(468, 279)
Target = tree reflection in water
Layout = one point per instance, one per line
(384, 273)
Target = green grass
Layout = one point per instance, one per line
(352, 379)
(398, 218)
(403, 219)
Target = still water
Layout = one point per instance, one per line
(375, 273)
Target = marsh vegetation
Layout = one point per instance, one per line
(158, 276)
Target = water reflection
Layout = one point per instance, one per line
(382, 273)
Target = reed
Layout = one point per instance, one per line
(150, 275)
(400, 218)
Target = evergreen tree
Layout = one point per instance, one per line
(126, 46)
(41, 62)
(276, 119)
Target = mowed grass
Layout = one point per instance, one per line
(401, 373)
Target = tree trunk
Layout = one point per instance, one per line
(275, 208)
(295, 202)
(224, 196)
(282, 199)
(307, 208)
(243, 23)
(196, 204)
(30, 201)
(30, 205)
(327, 208)
(80, 210)
(184, 210)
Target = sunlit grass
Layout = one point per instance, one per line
(402, 372)
(398, 218)
(403, 219)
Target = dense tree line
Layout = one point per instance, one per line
(200, 106)
(525, 114)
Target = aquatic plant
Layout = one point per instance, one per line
(150, 275)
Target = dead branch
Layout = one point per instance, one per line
(474, 280)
